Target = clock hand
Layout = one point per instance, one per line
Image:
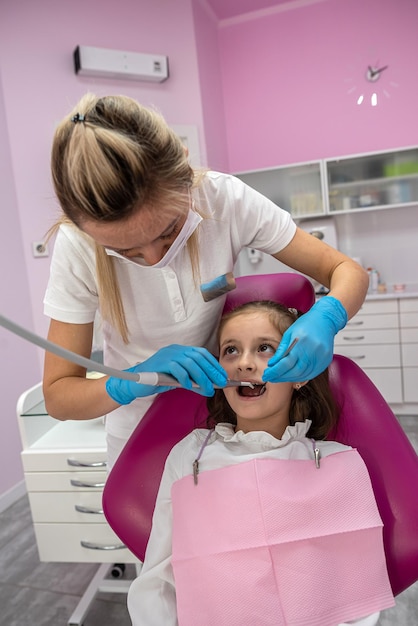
(373, 71)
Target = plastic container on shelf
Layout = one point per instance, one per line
(373, 280)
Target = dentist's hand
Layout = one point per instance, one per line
(185, 363)
(311, 355)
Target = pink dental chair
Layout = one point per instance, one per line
(366, 423)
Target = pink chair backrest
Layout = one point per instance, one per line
(367, 423)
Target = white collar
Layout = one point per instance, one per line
(298, 431)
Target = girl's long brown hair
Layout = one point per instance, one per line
(313, 401)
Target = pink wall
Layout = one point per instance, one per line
(20, 368)
(210, 71)
(287, 76)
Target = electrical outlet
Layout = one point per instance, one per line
(39, 248)
(254, 255)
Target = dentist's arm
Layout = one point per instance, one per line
(316, 329)
(70, 395)
(347, 280)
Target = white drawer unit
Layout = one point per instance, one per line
(372, 339)
(408, 314)
(65, 472)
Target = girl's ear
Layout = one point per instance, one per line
(298, 386)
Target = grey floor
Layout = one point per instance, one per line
(46, 594)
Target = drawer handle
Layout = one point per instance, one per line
(75, 463)
(357, 323)
(98, 546)
(359, 338)
(357, 358)
(86, 509)
(80, 483)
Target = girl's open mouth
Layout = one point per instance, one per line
(258, 390)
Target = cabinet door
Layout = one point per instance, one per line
(295, 188)
(83, 507)
(377, 180)
(389, 383)
(378, 307)
(410, 384)
(348, 337)
(65, 481)
(409, 337)
(409, 305)
(80, 543)
(409, 319)
(372, 322)
(44, 460)
(410, 355)
(384, 356)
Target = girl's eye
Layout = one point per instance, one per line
(266, 348)
(229, 350)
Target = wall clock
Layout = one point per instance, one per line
(373, 73)
(370, 83)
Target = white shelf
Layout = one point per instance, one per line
(373, 181)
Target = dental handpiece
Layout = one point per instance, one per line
(145, 378)
(156, 379)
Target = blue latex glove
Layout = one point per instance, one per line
(185, 363)
(311, 355)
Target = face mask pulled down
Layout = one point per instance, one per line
(192, 222)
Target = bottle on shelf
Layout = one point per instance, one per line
(373, 280)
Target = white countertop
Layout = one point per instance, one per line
(410, 291)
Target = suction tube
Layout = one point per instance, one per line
(154, 379)
(64, 353)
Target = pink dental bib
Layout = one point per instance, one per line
(273, 542)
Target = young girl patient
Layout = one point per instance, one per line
(259, 520)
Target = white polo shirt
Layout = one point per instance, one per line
(165, 306)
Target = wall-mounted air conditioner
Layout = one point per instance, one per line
(107, 63)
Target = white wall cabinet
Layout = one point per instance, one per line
(65, 472)
(377, 180)
(297, 188)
